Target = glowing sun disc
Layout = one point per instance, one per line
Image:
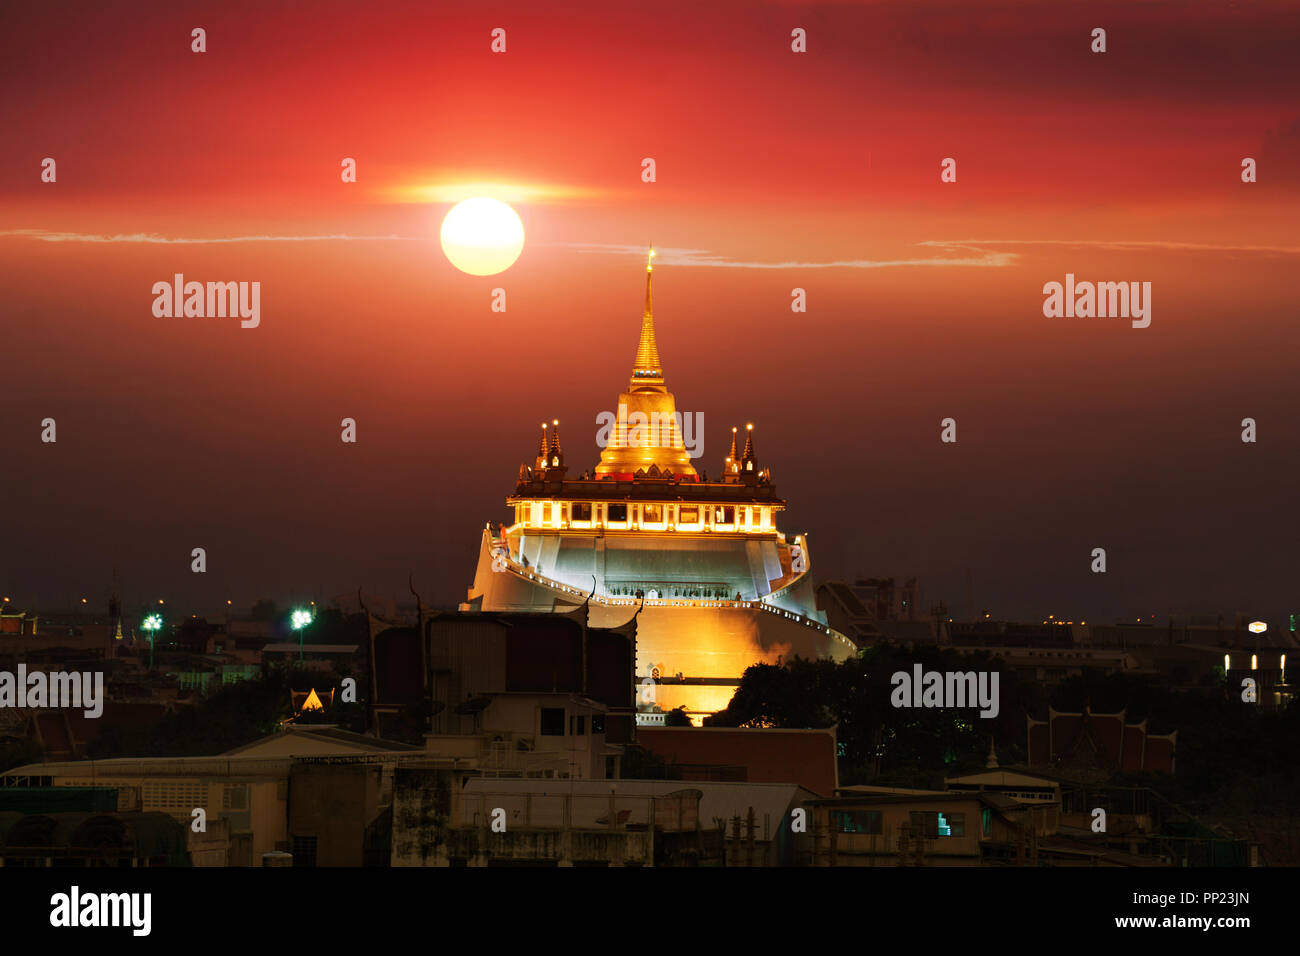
(482, 236)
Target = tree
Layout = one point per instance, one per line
(677, 717)
(875, 737)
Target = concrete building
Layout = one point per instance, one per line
(540, 694)
(251, 790)
(868, 609)
(931, 829)
(445, 818)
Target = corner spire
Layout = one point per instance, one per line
(647, 370)
(539, 463)
(555, 438)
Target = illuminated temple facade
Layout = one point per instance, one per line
(722, 587)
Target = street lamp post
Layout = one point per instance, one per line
(299, 620)
(152, 624)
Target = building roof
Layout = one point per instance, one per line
(804, 757)
(869, 790)
(237, 766)
(1001, 778)
(66, 731)
(996, 801)
(1098, 744)
(310, 740)
(292, 647)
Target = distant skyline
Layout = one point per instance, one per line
(775, 170)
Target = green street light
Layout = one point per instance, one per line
(152, 624)
(298, 620)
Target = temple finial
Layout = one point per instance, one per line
(649, 271)
(646, 371)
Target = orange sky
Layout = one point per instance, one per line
(1072, 433)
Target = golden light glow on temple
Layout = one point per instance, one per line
(715, 585)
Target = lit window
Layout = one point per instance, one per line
(856, 821)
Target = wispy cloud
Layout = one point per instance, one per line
(47, 235)
(1118, 245)
(976, 253)
(703, 257)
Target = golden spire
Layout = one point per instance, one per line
(646, 370)
(649, 270)
(648, 430)
(555, 438)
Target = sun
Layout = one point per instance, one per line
(482, 236)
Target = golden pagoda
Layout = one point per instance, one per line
(647, 429)
(714, 584)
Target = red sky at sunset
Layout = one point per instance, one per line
(1072, 433)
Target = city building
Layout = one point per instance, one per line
(82, 827)
(316, 791)
(529, 694)
(445, 818)
(923, 829)
(1097, 746)
(872, 609)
